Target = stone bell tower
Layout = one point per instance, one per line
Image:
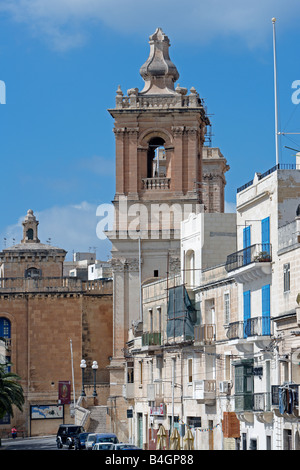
(159, 137)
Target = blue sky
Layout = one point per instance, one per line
(62, 62)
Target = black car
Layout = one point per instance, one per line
(80, 440)
(66, 435)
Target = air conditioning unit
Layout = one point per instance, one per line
(224, 387)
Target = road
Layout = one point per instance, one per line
(30, 443)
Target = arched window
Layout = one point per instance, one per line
(156, 158)
(5, 328)
(190, 268)
(29, 234)
(33, 273)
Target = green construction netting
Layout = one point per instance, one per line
(182, 314)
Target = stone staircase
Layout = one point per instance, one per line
(97, 419)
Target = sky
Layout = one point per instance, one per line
(61, 62)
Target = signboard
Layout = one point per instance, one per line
(158, 410)
(47, 411)
(130, 413)
(64, 392)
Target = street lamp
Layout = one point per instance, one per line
(95, 367)
(83, 366)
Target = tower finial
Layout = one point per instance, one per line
(30, 230)
(159, 72)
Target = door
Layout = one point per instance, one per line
(140, 430)
(265, 298)
(265, 236)
(246, 245)
(247, 313)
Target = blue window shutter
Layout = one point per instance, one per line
(246, 237)
(247, 312)
(246, 244)
(265, 234)
(266, 310)
(5, 328)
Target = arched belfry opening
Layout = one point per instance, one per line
(156, 158)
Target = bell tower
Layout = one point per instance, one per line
(159, 138)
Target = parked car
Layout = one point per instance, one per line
(126, 446)
(103, 446)
(90, 441)
(80, 440)
(66, 435)
(106, 437)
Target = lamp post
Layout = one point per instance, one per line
(95, 367)
(83, 366)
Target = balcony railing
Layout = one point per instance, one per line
(277, 390)
(262, 401)
(204, 334)
(151, 338)
(257, 326)
(258, 253)
(156, 183)
(204, 390)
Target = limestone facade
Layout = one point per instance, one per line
(159, 145)
(41, 313)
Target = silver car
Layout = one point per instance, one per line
(103, 446)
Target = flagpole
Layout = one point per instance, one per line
(275, 91)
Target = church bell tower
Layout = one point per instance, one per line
(159, 138)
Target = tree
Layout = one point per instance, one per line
(11, 392)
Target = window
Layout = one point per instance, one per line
(286, 277)
(265, 235)
(150, 320)
(246, 245)
(159, 319)
(29, 234)
(33, 273)
(141, 372)
(155, 273)
(190, 370)
(5, 328)
(247, 313)
(130, 372)
(227, 307)
(265, 296)
(156, 158)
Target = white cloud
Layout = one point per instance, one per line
(65, 23)
(71, 227)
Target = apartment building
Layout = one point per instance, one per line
(266, 374)
(217, 352)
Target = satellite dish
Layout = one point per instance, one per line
(296, 358)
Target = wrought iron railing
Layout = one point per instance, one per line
(259, 253)
(257, 326)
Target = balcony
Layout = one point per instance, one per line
(285, 400)
(257, 329)
(248, 404)
(204, 391)
(250, 263)
(204, 334)
(151, 338)
(128, 391)
(156, 183)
